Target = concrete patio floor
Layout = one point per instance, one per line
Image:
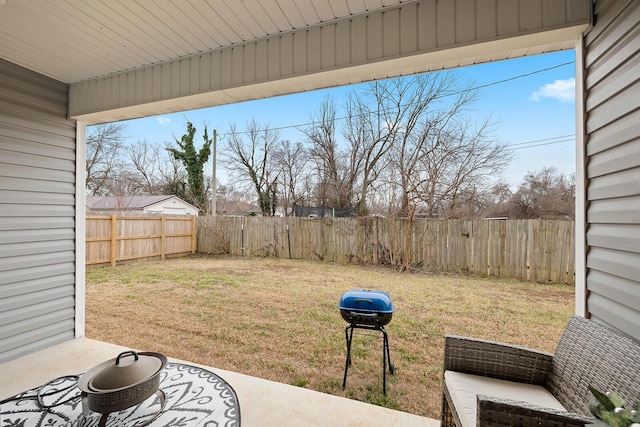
(262, 402)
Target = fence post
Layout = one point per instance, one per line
(163, 236)
(114, 234)
(242, 238)
(289, 241)
(512, 248)
(194, 240)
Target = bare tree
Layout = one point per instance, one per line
(103, 162)
(291, 160)
(544, 194)
(442, 161)
(173, 177)
(124, 183)
(156, 171)
(380, 117)
(438, 162)
(249, 157)
(461, 161)
(146, 160)
(430, 117)
(494, 203)
(337, 167)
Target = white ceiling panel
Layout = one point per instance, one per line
(307, 12)
(118, 35)
(339, 7)
(274, 19)
(375, 4)
(242, 17)
(77, 40)
(323, 10)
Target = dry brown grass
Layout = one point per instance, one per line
(278, 319)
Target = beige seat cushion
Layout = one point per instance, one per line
(465, 387)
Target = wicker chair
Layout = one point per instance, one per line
(588, 354)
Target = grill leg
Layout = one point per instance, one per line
(392, 369)
(384, 362)
(385, 357)
(348, 334)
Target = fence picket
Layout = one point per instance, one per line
(535, 250)
(113, 238)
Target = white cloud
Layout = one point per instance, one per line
(163, 121)
(562, 90)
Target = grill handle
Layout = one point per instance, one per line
(357, 300)
(355, 313)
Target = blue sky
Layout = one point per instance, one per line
(530, 100)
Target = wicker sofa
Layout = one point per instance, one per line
(488, 383)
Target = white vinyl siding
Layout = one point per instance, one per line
(37, 200)
(612, 83)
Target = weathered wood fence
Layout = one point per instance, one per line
(113, 238)
(535, 250)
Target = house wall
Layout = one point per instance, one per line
(169, 210)
(37, 209)
(612, 165)
(172, 206)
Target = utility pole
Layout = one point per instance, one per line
(213, 175)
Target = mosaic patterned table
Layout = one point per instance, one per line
(194, 397)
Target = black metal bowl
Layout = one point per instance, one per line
(364, 318)
(137, 381)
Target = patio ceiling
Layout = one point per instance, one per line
(77, 40)
(131, 58)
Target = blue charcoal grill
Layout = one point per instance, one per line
(371, 310)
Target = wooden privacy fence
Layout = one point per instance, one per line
(113, 238)
(535, 250)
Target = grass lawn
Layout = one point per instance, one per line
(278, 319)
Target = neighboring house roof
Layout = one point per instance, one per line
(128, 202)
(236, 207)
(91, 200)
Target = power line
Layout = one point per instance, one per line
(497, 82)
(541, 142)
(540, 145)
(525, 75)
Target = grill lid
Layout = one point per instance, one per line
(368, 301)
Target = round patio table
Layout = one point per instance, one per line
(194, 396)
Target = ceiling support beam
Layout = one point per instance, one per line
(410, 38)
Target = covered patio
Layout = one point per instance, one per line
(66, 65)
(262, 402)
